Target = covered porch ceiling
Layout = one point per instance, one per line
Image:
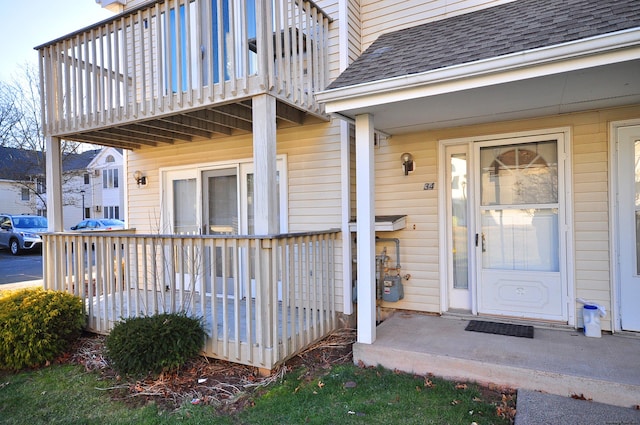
(604, 86)
(185, 126)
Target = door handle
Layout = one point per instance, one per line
(484, 242)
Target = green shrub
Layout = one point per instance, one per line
(36, 326)
(139, 345)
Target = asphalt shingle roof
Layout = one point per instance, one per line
(78, 161)
(19, 164)
(509, 28)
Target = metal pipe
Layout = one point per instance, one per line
(397, 242)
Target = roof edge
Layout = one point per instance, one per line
(625, 43)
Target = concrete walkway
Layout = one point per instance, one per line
(535, 408)
(21, 285)
(556, 362)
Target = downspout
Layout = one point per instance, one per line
(345, 169)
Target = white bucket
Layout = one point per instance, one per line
(591, 318)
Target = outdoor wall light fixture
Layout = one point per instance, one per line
(407, 162)
(140, 179)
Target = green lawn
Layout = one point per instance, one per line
(342, 394)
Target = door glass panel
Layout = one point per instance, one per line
(514, 237)
(637, 243)
(184, 206)
(222, 194)
(636, 163)
(519, 174)
(520, 239)
(220, 205)
(459, 220)
(250, 212)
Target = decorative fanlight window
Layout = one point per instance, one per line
(520, 174)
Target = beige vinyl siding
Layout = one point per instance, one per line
(354, 42)
(399, 194)
(591, 197)
(330, 7)
(382, 16)
(313, 154)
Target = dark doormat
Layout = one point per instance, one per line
(500, 328)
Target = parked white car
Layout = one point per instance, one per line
(21, 232)
(98, 225)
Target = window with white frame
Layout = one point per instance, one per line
(25, 194)
(110, 178)
(111, 212)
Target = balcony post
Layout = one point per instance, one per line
(264, 158)
(365, 202)
(54, 184)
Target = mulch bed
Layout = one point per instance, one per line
(226, 385)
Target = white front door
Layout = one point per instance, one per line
(519, 207)
(628, 225)
(506, 229)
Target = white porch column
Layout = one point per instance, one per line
(54, 184)
(264, 159)
(365, 217)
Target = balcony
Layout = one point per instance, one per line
(181, 70)
(261, 298)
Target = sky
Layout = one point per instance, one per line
(25, 24)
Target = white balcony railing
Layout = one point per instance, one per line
(180, 55)
(261, 299)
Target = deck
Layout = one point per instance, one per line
(278, 296)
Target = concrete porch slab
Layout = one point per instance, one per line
(556, 361)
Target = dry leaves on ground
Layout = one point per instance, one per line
(210, 381)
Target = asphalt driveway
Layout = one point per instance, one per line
(20, 268)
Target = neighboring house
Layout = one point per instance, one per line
(23, 185)
(492, 143)
(105, 179)
(77, 194)
(19, 182)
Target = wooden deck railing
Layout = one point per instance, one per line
(261, 299)
(181, 55)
